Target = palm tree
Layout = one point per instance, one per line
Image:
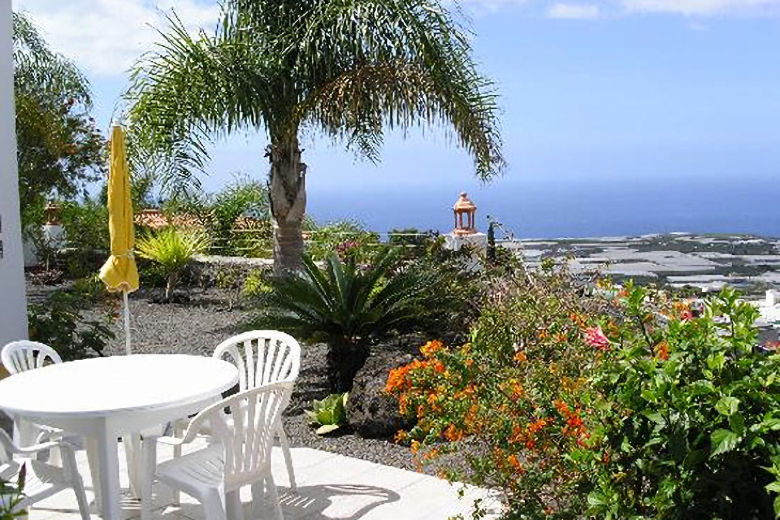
(345, 68)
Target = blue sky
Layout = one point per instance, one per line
(661, 91)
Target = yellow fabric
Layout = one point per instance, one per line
(120, 273)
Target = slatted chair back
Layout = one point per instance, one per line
(245, 424)
(262, 357)
(20, 356)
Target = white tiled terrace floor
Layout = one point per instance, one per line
(330, 487)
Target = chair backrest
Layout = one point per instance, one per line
(245, 424)
(262, 357)
(20, 356)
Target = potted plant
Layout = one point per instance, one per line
(11, 496)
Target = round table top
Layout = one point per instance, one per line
(108, 385)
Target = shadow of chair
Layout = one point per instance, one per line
(312, 503)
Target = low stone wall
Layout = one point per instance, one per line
(206, 269)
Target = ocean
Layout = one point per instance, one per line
(566, 208)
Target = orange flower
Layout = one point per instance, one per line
(431, 348)
(537, 425)
(542, 334)
(578, 319)
(517, 390)
(514, 461)
(403, 404)
(415, 446)
(520, 356)
(453, 433)
(401, 436)
(562, 407)
(560, 337)
(432, 454)
(662, 351)
(466, 392)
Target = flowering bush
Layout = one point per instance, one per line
(689, 415)
(622, 404)
(515, 400)
(346, 238)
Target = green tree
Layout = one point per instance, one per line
(348, 69)
(59, 149)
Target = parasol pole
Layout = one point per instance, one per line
(128, 349)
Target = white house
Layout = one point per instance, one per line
(13, 305)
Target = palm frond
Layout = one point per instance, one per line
(350, 69)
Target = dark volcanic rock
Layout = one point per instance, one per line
(370, 411)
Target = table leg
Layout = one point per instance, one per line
(132, 444)
(108, 473)
(92, 458)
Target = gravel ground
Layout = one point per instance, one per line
(196, 327)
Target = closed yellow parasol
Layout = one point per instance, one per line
(120, 273)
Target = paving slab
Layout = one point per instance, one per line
(330, 487)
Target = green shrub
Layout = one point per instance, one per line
(346, 238)
(219, 214)
(172, 249)
(350, 307)
(330, 414)
(11, 495)
(243, 197)
(256, 285)
(86, 232)
(690, 416)
(458, 294)
(60, 323)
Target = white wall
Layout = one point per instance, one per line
(13, 305)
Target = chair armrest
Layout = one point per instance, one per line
(11, 447)
(170, 441)
(37, 448)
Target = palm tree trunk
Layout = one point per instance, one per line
(344, 361)
(287, 190)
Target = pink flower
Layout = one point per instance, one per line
(596, 338)
(686, 315)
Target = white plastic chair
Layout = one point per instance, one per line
(263, 357)
(243, 427)
(20, 356)
(23, 355)
(42, 480)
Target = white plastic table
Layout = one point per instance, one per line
(103, 398)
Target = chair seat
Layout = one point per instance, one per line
(195, 472)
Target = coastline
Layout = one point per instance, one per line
(701, 261)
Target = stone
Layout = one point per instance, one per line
(370, 411)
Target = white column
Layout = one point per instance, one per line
(13, 304)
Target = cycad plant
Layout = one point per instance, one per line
(172, 249)
(351, 306)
